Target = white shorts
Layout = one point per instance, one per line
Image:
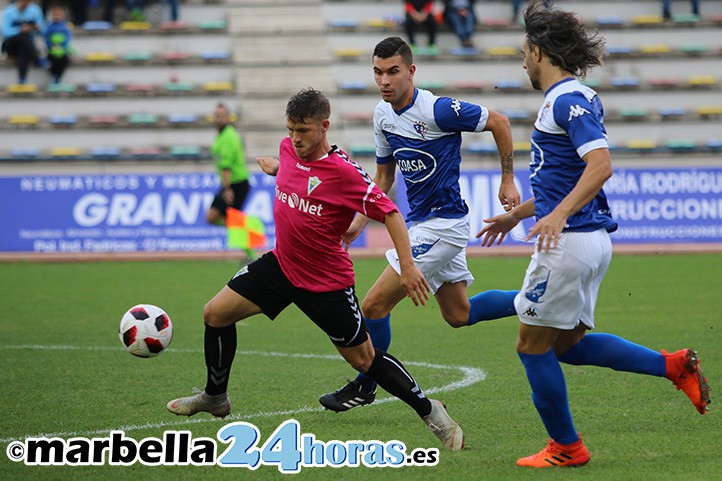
(439, 250)
(561, 286)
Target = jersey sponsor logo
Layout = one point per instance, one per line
(576, 111)
(538, 285)
(313, 182)
(421, 128)
(296, 202)
(456, 106)
(415, 165)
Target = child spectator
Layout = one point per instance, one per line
(57, 37)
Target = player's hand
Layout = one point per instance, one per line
(269, 165)
(548, 229)
(228, 195)
(509, 195)
(496, 229)
(354, 230)
(415, 285)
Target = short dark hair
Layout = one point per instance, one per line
(308, 104)
(562, 37)
(391, 46)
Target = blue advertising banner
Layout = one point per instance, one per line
(119, 212)
(669, 205)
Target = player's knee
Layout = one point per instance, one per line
(456, 321)
(373, 309)
(361, 361)
(211, 316)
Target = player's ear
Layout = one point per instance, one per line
(412, 71)
(325, 125)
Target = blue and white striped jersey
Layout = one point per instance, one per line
(569, 125)
(424, 139)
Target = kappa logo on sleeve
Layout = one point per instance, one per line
(576, 111)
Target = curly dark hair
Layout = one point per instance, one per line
(308, 104)
(392, 46)
(562, 37)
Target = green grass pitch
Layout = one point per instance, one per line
(64, 372)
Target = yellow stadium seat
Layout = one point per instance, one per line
(710, 111)
(348, 53)
(22, 88)
(64, 152)
(522, 146)
(503, 51)
(642, 144)
(702, 81)
(100, 57)
(135, 25)
(218, 86)
(23, 119)
(647, 20)
(380, 23)
(655, 49)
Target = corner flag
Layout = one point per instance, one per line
(244, 231)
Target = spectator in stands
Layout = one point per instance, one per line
(57, 37)
(516, 7)
(459, 14)
(667, 8)
(421, 12)
(78, 9)
(21, 22)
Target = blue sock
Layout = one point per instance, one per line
(380, 332)
(549, 393)
(608, 350)
(489, 305)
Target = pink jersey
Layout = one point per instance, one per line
(314, 206)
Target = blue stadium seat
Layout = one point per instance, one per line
(464, 51)
(509, 84)
(353, 85)
(100, 87)
(105, 152)
(95, 26)
(619, 50)
(714, 144)
(517, 114)
(609, 21)
(671, 113)
(625, 82)
(24, 152)
(215, 55)
(181, 119)
(483, 149)
(63, 119)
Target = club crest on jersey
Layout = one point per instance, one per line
(313, 182)
(421, 128)
(538, 285)
(576, 111)
(545, 110)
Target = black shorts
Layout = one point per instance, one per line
(240, 192)
(337, 313)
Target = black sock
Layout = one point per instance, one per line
(391, 375)
(220, 347)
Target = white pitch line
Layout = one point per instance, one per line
(471, 375)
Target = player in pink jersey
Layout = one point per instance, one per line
(318, 192)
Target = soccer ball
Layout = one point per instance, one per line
(145, 330)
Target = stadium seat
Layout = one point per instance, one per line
(641, 145)
(61, 88)
(508, 85)
(500, 52)
(64, 152)
(382, 23)
(100, 87)
(185, 151)
(517, 114)
(522, 146)
(22, 89)
(24, 120)
(207, 25)
(713, 144)
(144, 152)
(681, 18)
(464, 51)
(24, 152)
(432, 85)
(591, 82)
(647, 20)
(105, 152)
(624, 83)
(218, 86)
(671, 113)
(469, 86)
(63, 120)
(182, 119)
(708, 112)
(664, 82)
(609, 21)
(96, 26)
(179, 87)
(174, 26)
(694, 49)
(633, 114)
(496, 22)
(655, 49)
(681, 145)
(348, 53)
(142, 118)
(619, 50)
(702, 81)
(103, 120)
(343, 23)
(483, 149)
(134, 26)
(215, 55)
(138, 56)
(364, 117)
(176, 57)
(140, 88)
(100, 57)
(363, 150)
(353, 86)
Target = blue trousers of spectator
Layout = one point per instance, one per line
(22, 48)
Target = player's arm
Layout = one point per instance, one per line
(226, 184)
(500, 127)
(412, 279)
(596, 173)
(269, 165)
(384, 178)
(499, 226)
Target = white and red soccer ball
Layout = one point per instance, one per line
(145, 330)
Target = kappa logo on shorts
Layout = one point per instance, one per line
(421, 249)
(539, 286)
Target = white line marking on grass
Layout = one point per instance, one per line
(471, 375)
